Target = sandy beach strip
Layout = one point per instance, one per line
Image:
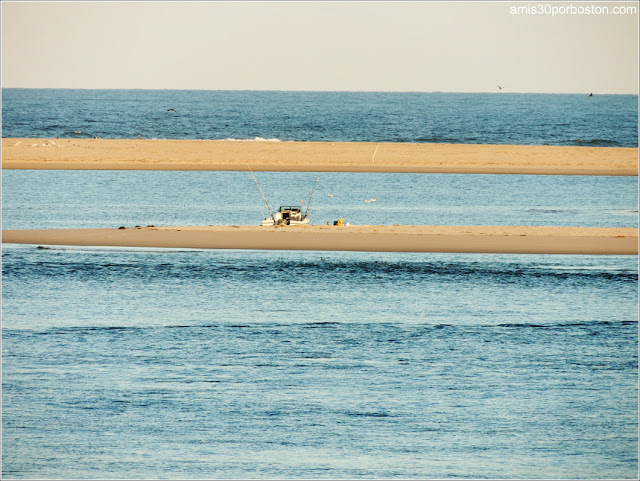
(146, 154)
(460, 239)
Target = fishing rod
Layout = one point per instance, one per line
(262, 193)
(310, 194)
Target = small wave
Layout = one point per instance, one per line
(371, 414)
(525, 325)
(623, 212)
(439, 140)
(77, 133)
(552, 211)
(594, 142)
(563, 325)
(582, 268)
(255, 139)
(72, 330)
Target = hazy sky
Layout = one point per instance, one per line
(385, 46)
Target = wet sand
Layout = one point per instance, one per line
(145, 154)
(460, 239)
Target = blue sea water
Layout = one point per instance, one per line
(158, 363)
(38, 199)
(133, 363)
(500, 118)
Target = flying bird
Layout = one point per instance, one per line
(171, 110)
(499, 88)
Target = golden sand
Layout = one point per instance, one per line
(461, 239)
(135, 154)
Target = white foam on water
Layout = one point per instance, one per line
(255, 139)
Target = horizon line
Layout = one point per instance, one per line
(329, 91)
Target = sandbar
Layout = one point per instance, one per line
(229, 155)
(380, 238)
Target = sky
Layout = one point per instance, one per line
(321, 46)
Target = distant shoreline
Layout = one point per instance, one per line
(228, 155)
(453, 239)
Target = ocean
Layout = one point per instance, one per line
(206, 364)
(500, 118)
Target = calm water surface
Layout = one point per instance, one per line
(141, 363)
(77, 199)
